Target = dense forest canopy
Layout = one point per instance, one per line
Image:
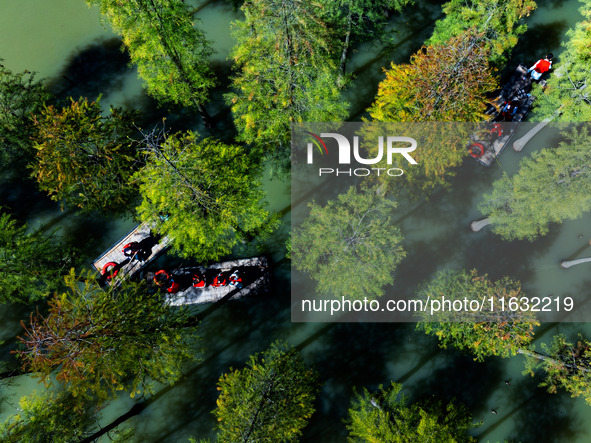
(203, 183)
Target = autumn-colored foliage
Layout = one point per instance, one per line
(104, 341)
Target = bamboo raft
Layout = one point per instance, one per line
(253, 271)
(141, 234)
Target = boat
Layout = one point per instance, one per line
(115, 263)
(118, 262)
(253, 272)
(505, 113)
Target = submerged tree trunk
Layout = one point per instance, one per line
(568, 263)
(552, 361)
(477, 225)
(205, 117)
(519, 144)
(343, 65)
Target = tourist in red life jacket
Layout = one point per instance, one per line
(198, 280)
(110, 270)
(161, 278)
(174, 287)
(236, 280)
(541, 66)
(219, 280)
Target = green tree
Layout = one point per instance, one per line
(497, 22)
(551, 186)
(31, 265)
(21, 96)
(269, 400)
(103, 341)
(442, 83)
(349, 246)
(287, 74)
(52, 417)
(385, 416)
(566, 365)
(171, 53)
(355, 21)
(494, 330)
(567, 89)
(84, 158)
(209, 190)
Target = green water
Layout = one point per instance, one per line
(64, 41)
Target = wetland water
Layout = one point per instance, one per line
(64, 41)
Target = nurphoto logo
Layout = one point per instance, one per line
(393, 145)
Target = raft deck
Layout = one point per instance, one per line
(253, 271)
(141, 234)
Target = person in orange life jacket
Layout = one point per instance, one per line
(541, 66)
(236, 280)
(219, 280)
(198, 280)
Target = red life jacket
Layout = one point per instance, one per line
(220, 280)
(174, 287)
(235, 279)
(110, 270)
(542, 66)
(198, 281)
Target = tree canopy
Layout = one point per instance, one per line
(565, 365)
(21, 96)
(209, 191)
(104, 341)
(269, 400)
(497, 22)
(551, 186)
(497, 331)
(349, 246)
(51, 417)
(355, 21)
(85, 159)
(286, 74)
(171, 53)
(386, 416)
(567, 89)
(442, 83)
(32, 265)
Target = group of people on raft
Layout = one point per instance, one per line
(164, 280)
(133, 251)
(511, 106)
(538, 69)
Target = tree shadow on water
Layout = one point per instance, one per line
(536, 415)
(456, 376)
(536, 42)
(365, 353)
(100, 68)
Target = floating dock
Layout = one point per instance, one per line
(151, 244)
(253, 271)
